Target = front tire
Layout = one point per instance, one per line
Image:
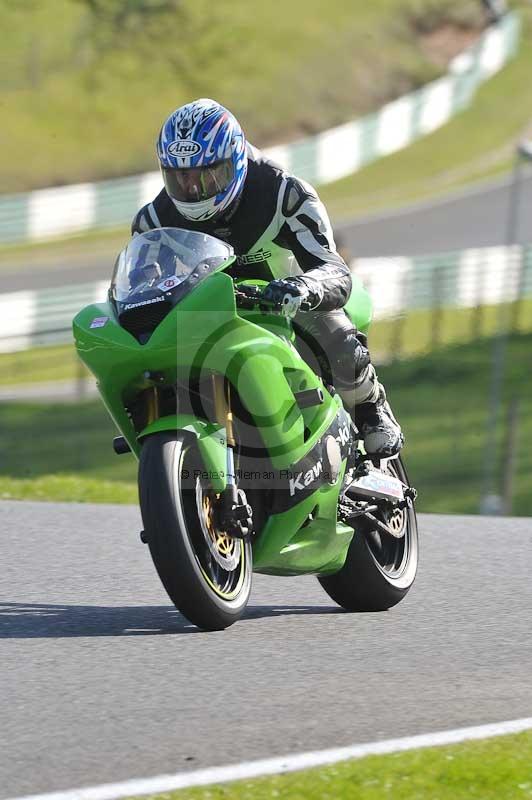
(379, 569)
(206, 573)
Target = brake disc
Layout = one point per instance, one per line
(226, 550)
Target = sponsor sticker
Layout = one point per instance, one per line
(99, 322)
(184, 148)
(144, 303)
(169, 283)
(254, 258)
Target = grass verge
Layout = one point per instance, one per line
(421, 332)
(63, 452)
(478, 143)
(492, 769)
(73, 488)
(104, 241)
(41, 365)
(73, 86)
(402, 337)
(442, 401)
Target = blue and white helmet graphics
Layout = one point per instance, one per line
(197, 136)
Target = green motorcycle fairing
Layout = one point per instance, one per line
(204, 335)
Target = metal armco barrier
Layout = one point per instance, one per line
(468, 279)
(33, 318)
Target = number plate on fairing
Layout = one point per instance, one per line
(379, 485)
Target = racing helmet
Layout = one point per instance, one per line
(202, 154)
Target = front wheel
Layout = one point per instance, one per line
(379, 569)
(206, 573)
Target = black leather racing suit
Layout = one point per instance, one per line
(277, 216)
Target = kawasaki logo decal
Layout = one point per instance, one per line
(300, 480)
(343, 435)
(144, 303)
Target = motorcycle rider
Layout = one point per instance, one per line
(217, 183)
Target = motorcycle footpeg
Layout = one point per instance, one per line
(410, 497)
(378, 485)
(411, 493)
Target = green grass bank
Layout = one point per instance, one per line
(479, 143)
(413, 334)
(476, 145)
(85, 85)
(492, 769)
(63, 451)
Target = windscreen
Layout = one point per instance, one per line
(162, 259)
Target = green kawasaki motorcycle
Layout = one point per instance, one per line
(247, 458)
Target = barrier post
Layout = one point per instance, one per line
(491, 501)
(437, 310)
(511, 454)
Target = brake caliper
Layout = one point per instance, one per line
(233, 513)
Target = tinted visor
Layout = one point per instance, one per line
(193, 184)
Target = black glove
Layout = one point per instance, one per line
(293, 295)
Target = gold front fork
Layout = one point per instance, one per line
(222, 406)
(233, 499)
(152, 404)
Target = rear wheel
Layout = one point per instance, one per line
(206, 573)
(380, 568)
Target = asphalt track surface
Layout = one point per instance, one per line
(102, 679)
(474, 218)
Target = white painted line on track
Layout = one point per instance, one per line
(274, 766)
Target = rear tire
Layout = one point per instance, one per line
(206, 574)
(379, 569)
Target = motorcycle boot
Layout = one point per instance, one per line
(344, 360)
(378, 427)
(366, 402)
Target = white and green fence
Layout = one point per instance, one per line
(320, 159)
(398, 286)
